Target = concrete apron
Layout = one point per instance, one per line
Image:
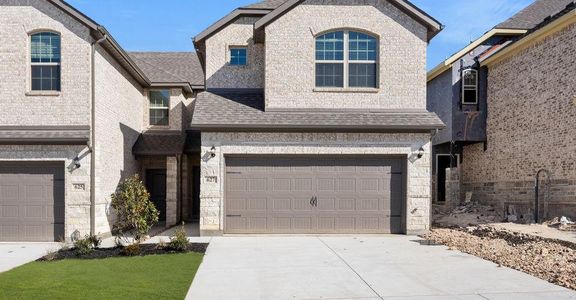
(13, 255)
(367, 267)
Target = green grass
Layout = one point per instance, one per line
(148, 277)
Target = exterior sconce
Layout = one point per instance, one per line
(421, 153)
(76, 163)
(213, 152)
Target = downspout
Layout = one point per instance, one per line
(93, 134)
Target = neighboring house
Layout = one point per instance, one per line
(314, 119)
(294, 117)
(74, 105)
(524, 115)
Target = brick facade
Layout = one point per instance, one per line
(290, 56)
(531, 117)
(219, 73)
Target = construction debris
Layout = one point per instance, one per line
(469, 214)
(563, 224)
(548, 259)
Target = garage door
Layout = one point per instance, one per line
(314, 195)
(31, 202)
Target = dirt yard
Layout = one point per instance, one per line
(549, 259)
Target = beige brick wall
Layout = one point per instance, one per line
(219, 73)
(212, 193)
(19, 18)
(77, 211)
(531, 117)
(180, 110)
(290, 55)
(119, 110)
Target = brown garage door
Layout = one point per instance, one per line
(314, 195)
(31, 202)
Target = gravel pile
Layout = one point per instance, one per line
(550, 260)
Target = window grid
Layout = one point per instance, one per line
(159, 107)
(355, 52)
(45, 50)
(470, 86)
(238, 56)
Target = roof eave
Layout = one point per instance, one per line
(538, 35)
(447, 64)
(227, 20)
(320, 128)
(434, 27)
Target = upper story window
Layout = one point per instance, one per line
(239, 56)
(470, 86)
(159, 107)
(346, 59)
(45, 61)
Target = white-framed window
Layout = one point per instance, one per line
(470, 86)
(45, 60)
(159, 107)
(346, 59)
(238, 56)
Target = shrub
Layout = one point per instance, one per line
(136, 214)
(132, 249)
(94, 240)
(179, 242)
(84, 246)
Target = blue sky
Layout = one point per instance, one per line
(169, 25)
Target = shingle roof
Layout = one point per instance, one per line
(159, 143)
(44, 134)
(534, 14)
(170, 67)
(246, 111)
(266, 4)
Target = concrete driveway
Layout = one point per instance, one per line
(13, 255)
(384, 267)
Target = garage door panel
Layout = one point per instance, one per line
(31, 202)
(317, 194)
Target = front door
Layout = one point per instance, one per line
(156, 186)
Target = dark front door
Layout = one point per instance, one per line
(156, 186)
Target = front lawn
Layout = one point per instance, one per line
(144, 277)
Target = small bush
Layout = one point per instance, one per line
(95, 240)
(84, 246)
(162, 244)
(179, 242)
(132, 249)
(136, 214)
(50, 255)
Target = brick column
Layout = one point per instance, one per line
(171, 191)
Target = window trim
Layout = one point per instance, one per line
(167, 108)
(232, 47)
(469, 87)
(346, 70)
(30, 64)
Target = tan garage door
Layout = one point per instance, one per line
(314, 195)
(31, 202)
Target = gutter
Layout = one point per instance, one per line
(92, 142)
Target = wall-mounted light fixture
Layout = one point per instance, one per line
(421, 152)
(213, 152)
(76, 163)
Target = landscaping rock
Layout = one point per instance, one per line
(548, 259)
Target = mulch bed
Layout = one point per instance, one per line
(100, 253)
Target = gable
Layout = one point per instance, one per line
(433, 26)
